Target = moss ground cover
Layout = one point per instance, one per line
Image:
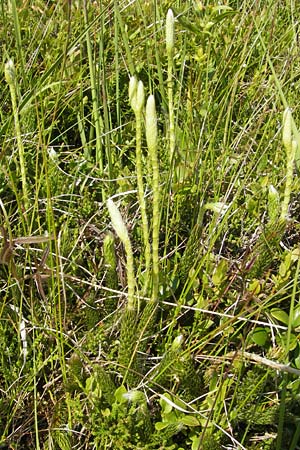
(149, 190)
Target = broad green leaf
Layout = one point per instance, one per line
(296, 317)
(119, 394)
(196, 442)
(297, 362)
(280, 315)
(254, 287)
(190, 421)
(284, 268)
(220, 272)
(161, 425)
(259, 336)
(293, 341)
(165, 405)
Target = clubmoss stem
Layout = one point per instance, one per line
(137, 100)
(151, 137)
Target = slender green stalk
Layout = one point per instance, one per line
(35, 396)
(281, 412)
(103, 77)
(85, 146)
(137, 99)
(124, 38)
(296, 437)
(95, 96)
(151, 136)
(279, 88)
(170, 55)
(117, 70)
(10, 77)
(158, 60)
(293, 301)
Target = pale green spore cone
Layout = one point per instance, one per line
(75, 365)
(151, 125)
(10, 72)
(117, 221)
(136, 95)
(170, 33)
(132, 90)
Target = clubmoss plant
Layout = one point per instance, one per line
(128, 382)
(151, 136)
(267, 246)
(137, 100)
(128, 335)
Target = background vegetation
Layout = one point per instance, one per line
(195, 345)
